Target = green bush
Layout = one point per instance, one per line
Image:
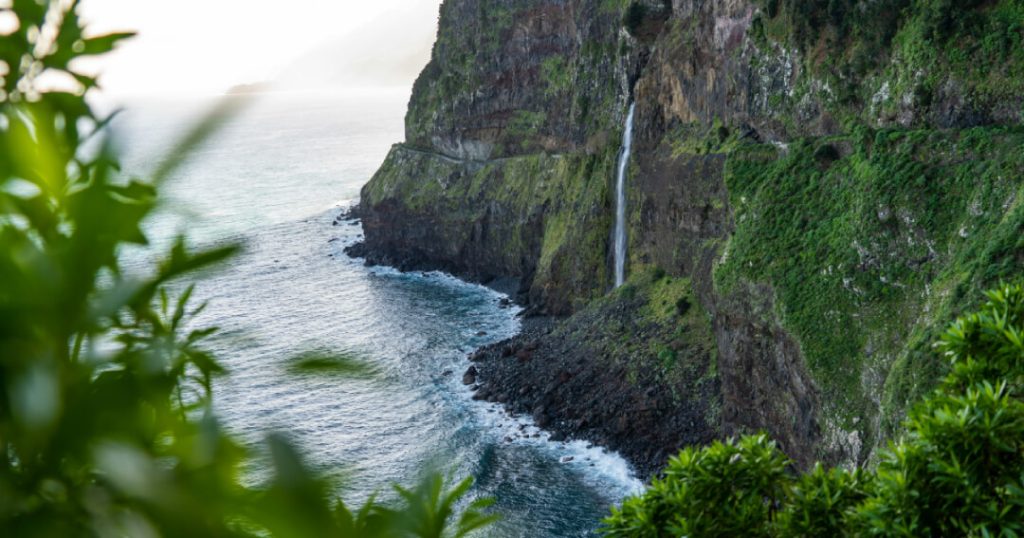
(943, 18)
(727, 489)
(819, 503)
(838, 21)
(958, 471)
(987, 345)
(105, 419)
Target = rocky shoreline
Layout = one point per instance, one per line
(516, 288)
(564, 377)
(548, 373)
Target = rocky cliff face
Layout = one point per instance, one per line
(510, 78)
(821, 188)
(509, 148)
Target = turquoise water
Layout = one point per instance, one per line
(274, 179)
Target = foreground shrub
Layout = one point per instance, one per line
(820, 502)
(958, 471)
(988, 345)
(106, 427)
(726, 489)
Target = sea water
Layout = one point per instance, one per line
(274, 179)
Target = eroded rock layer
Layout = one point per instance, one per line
(816, 187)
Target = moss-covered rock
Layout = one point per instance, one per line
(512, 77)
(543, 219)
(830, 179)
(870, 254)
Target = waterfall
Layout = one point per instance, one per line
(620, 200)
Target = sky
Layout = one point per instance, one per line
(209, 46)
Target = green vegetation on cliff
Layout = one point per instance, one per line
(914, 62)
(871, 241)
(539, 213)
(666, 339)
(956, 472)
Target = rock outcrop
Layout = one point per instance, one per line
(810, 197)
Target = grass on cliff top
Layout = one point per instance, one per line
(871, 242)
(877, 59)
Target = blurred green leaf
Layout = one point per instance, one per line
(102, 44)
(106, 424)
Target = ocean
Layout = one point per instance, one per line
(274, 179)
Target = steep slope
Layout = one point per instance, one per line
(816, 186)
(511, 138)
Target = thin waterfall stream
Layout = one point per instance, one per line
(620, 200)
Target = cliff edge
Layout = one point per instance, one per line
(815, 188)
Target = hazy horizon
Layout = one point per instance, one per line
(184, 49)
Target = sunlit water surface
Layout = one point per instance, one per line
(275, 178)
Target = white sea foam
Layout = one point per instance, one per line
(596, 465)
(294, 290)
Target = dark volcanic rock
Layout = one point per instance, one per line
(470, 376)
(643, 419)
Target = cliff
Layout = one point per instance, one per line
(815, 188)
(510, 141)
